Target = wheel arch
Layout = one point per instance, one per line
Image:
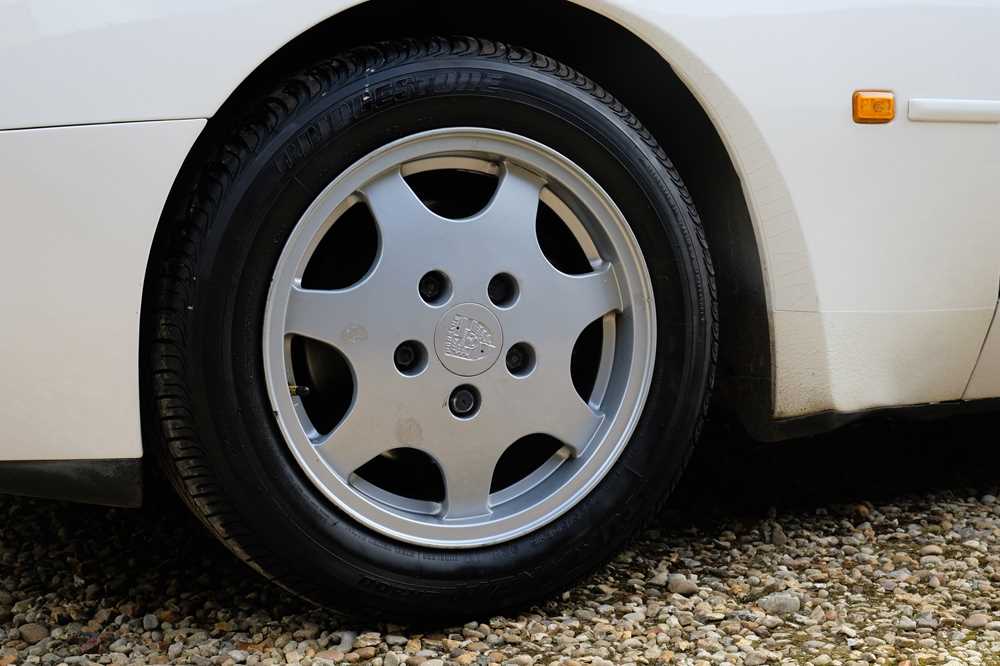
(667, 87)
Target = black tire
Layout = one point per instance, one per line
(207, 400)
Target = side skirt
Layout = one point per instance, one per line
(111, 482)
(815, 424)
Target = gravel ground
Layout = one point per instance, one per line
(878, 544)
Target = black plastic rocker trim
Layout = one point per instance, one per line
(111, 482)
(814, 424)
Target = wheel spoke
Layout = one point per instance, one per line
(514, 205)
(584, 298)
(571, 420)
(562, 413)
(342, 318)
(392, 201)
(357, 439)
(402, 218)
(389, 411)
(553, 313)
(468, 474)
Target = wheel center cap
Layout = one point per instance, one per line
(468, 339)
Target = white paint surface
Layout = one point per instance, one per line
(985, 381)
(80, 206)
(880, 243)
(954, 110)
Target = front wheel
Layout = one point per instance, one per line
(435, 332)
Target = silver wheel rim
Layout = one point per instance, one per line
(368, 320)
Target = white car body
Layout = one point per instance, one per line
(879, 244)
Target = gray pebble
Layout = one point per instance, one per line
(780, 603)
(679, 584)
(175, 650)
(33, 633)
(977, 621)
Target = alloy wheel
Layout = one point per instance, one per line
(458, 341)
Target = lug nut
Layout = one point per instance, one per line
(433, 286)
(464, 401)
(520, 359)
(502, 290)
(409, 357)
(405, 356)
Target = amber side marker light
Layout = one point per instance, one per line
(873, 106)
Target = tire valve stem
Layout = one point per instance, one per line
(300, 391)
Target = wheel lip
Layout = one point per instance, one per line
(317, 218)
